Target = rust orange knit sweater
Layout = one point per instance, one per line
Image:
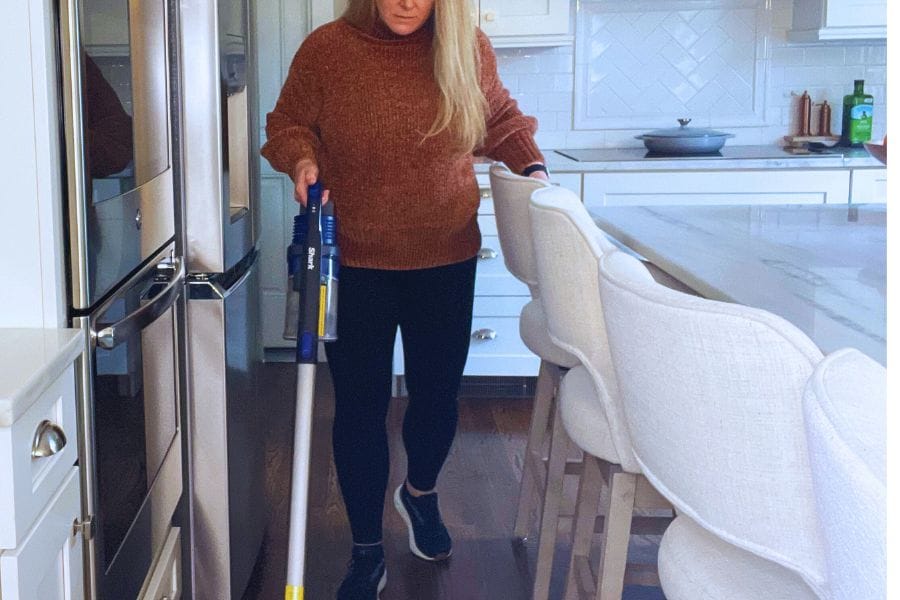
(358, 102)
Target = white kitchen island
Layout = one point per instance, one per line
(821, 267)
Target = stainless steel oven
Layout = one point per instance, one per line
(118, 128)
(126, 284)
(131, 426)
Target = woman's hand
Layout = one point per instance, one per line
(305, 174)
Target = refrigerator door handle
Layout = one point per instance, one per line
(111, 336)
(237, 284)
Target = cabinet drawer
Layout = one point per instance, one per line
(47, 565)
(499, 306)
(487, 224)
(28, 483)
(164, 582)
(502, 352)
(570, 181)
(492, 277)
(788, 186)
(867, 186)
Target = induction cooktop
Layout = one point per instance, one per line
(727, 152)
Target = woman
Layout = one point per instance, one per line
(387, 106)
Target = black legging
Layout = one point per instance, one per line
(433, 308)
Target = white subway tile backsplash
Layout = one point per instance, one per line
(877, 55)
(642, 68)
(555, 101)
(537, 83)
(824, 56)
(787, 57)
(856, 55)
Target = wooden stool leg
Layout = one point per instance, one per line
(616, 532)
(545, 390)
(556, 466)
(590, 488)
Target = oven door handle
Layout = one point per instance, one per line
(111, 336)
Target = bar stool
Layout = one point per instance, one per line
(844, 408)
(712, 397)
(567, 248)
(510, 195)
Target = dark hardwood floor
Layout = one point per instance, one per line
(478, 493)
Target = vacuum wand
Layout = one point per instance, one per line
(314, 279)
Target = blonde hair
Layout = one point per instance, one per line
(457, 69)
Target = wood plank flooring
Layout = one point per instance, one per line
(478, 491)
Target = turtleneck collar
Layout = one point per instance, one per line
(379, 30)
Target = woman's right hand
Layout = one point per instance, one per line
(305, 174)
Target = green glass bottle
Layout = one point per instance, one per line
(856, 126)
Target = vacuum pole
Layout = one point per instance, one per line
(307, 282)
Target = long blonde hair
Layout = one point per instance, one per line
(456, 68)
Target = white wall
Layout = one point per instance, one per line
(639, 64)
(281, 26)
(32, 292)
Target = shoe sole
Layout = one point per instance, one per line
(398, 504)
(382, 583)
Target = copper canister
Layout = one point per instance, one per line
(825, 119)
(805, 114)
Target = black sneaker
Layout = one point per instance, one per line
(366, 575)
(428, 538)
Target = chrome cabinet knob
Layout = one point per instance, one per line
(490, 16)
(49, 438)
(485, 193)
(487, 254)
(484, 334)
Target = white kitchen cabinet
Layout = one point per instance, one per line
(520, 23)
(41, 547)
(824, 20)
(868, 186)
(495, 347)
(47, 564)
(28, 483)
(786, 186)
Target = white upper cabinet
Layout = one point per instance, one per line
(521, 23)
(824, 20)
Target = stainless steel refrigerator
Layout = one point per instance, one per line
(221, 179)
(125, 281)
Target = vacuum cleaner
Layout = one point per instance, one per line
(310, 317)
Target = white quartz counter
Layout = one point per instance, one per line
(30, 360)
(751, 157)
(822, 267)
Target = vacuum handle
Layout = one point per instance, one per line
(310, 273)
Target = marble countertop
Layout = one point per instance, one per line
(30, 360)
(734, 157)
(822, 267)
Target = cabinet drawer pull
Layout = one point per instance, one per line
(48, 439)
(484, 334)
(485, 193)
(487, 253)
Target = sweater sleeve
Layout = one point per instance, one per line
(510, 134)
(291, 128)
